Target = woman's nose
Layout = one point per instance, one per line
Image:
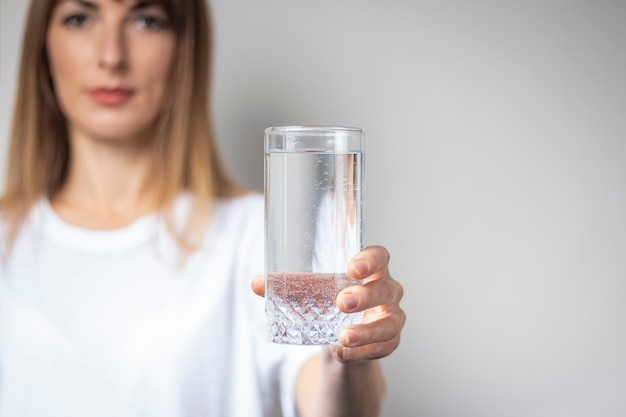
(112, 54)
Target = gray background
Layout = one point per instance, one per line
(496, 176)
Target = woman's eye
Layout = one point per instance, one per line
(76, 20)
(152, 23)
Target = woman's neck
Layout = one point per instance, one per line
(109, 184)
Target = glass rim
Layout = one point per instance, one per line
(313, 128)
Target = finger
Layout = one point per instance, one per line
(369, 352)
(371, 294)
(382, 330)
(369, 261)
(258, 285)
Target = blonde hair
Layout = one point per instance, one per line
(184, 146)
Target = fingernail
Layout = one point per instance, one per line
(349, 302)
(344, 353)
(361, 267)
(349, 337)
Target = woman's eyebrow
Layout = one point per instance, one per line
(144, 4)
(84, 3)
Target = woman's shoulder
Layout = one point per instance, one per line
(225, 214)
(13, 222)
(250, 201)
(246, 209)
(237, 222)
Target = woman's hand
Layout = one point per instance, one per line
(378, 298)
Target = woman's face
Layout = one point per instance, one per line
(110, 62)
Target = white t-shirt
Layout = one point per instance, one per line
(109, 323)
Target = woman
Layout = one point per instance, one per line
(128, 249)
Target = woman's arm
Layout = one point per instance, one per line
(327, 387)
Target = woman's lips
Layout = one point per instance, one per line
(111, 96)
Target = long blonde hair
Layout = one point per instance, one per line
(184, 147)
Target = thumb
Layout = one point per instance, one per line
(258, 285)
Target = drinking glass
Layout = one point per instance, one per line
(313, 227)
